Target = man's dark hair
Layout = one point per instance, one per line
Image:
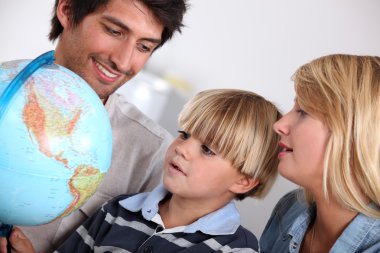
(168, 12)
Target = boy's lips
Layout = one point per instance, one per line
(177, 167)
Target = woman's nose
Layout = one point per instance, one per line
(281, 126)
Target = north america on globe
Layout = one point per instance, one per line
(55, 145)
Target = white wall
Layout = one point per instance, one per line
(248, 44)
(24, 27)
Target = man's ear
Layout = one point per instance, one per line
(244, 184)
(63, 13)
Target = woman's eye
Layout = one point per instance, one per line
(301, 112)
(207, 151)
(183, 135)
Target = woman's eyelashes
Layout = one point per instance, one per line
(301, 112)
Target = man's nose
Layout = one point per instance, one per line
(123, 57)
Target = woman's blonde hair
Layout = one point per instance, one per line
(343, 91)
(237, 124)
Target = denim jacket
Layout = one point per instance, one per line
(291, 217)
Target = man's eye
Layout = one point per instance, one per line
(207, 151)
(113, 32)
(183, 135)
(144, 48)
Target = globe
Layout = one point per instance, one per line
(55, 141)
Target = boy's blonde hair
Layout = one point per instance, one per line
(343, 91)
(237, 124)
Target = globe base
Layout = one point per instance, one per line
(5, 230)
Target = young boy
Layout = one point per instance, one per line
(226, 150)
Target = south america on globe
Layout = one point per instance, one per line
(55, 141)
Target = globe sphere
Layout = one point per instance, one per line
(55, 143)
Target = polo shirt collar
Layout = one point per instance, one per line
(225, 220)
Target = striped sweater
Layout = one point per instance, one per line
(115, 229)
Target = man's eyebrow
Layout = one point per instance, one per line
(117, 22)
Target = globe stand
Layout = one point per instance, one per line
(6, 97)
(5, 231)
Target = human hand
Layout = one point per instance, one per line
(19, 243)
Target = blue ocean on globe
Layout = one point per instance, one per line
(55, 141)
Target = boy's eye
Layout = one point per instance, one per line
(183, 135)
(207, 151)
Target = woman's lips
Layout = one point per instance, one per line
(284, 150)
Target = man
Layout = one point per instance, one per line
(107, 42)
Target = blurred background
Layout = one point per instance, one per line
(248, 44)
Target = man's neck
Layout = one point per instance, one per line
(104, 101)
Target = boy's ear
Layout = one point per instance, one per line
(244, 184)
(63, 13)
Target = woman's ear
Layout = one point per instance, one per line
(244, 184)
(63, 13)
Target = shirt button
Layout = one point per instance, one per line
(148, 249)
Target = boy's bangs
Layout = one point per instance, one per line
(216, 128)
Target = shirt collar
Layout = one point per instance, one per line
(352, 238)
(225, 220)
(300, 225)
(361, 229)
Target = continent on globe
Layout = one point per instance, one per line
(55, 142)
(82, 185)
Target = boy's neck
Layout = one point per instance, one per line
(176, 212)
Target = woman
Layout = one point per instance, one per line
(330, 144)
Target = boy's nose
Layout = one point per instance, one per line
(184, 149)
